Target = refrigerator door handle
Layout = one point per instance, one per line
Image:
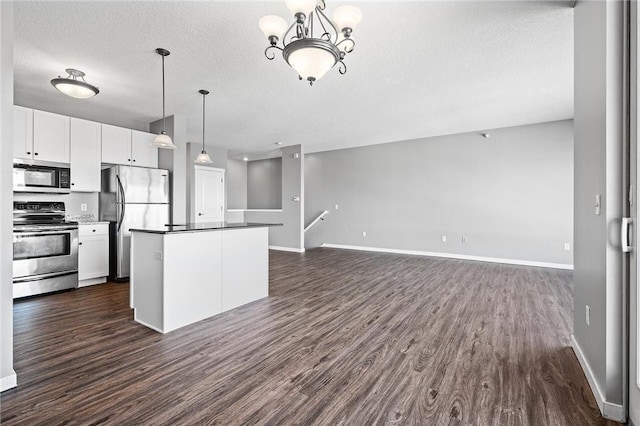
(624, 235)
(122, 202)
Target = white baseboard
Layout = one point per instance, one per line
(591, 378)
(295, 250)
(453, 256)
(91, 281)
(8, 382)
(607, 409)
(614, 412)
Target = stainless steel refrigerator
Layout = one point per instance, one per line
(131, 197)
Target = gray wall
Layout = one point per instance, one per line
(6, 188)
(174, 161)
(290, 235)
(510, 195)
(236, 184)
(598, 155)
(264, 184)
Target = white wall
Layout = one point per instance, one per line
(7, 374)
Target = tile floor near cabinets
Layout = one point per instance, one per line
(346, 337)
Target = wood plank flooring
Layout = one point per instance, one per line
(346, 338)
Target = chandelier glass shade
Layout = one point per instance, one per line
(203, 157)
(313, 44)
(163, 140)
(74, 85)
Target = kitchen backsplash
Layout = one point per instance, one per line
(73, 203)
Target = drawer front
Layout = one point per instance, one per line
(86, 230)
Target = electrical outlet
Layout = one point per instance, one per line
(157, 255)
(83, 207)
(464, 240)
(567, 246)
(337, 207)
(444, 238)
(364, 233)
(587, 315)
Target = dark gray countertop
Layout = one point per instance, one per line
(202, 227)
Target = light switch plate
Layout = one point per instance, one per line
(83, 207)
(587, 314)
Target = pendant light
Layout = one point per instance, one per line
(163, 140)
(74, 85)
(203, 157)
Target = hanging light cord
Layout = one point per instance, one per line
(203, 96)
(164, 129)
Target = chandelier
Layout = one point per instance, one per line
(313, 44)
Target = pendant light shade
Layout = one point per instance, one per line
(163, 140)
(74, 85)
(203, 157)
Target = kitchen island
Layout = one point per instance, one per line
(181, 274)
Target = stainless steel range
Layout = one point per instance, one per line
(45, 249)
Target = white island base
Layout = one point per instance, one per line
(178, 278)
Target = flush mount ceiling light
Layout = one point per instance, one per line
(315, 47)
(203, 157)
(163, 140)
(74, 85)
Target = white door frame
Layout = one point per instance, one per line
(224, 181)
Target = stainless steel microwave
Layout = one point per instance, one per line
(31, 178)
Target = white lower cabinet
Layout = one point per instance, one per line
(93, 254)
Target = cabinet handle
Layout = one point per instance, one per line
(128, 159)
(72, 183)
(29, 152)
(79, 244)
(134, 161)
(199, 214)
(35, 153)
(94, 230)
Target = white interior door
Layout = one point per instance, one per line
(209, 194)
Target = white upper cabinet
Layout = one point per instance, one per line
(143, 154)
(128, 147)
(85, 155)
(22, 133)
(50, 137)
(116, 145)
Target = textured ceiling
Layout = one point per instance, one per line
(419, 69)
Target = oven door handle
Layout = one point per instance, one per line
(44, 231)
(122, 202)
(20, 234)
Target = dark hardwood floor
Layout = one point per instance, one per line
(346, 338)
